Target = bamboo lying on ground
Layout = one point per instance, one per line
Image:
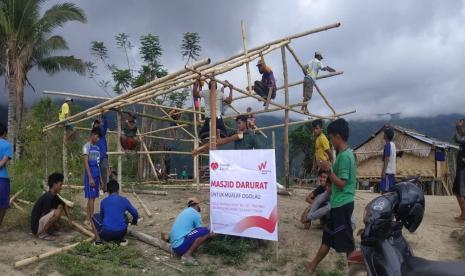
(48, 254)
(23, 201)
(69, 203)
(148, 192)
(143, 204)
(82, 229)
(150, 240)
(15, 195)
(18, 207)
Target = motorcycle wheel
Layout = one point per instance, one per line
(357, 270)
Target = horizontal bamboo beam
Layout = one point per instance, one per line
(150, 152)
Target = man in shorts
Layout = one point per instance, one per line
(338, 231)
(92, 180)
(188, 233)
(48, 209)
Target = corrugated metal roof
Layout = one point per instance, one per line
(422, 137)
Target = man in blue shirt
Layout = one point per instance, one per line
(188, 233)
(6, 153)
(111, 224)
(102, 126)
(91, 161)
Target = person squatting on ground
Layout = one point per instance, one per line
(338, 231)
(128, 139)
(48, 209)
(6, 154)
(188, 232)
(262, 88)
(388, 172)
(111, 223)
(459, 181)
(65, 112)
(220, 98)
(311, 72)
(102, 126)
(316, 200)
(92, 180)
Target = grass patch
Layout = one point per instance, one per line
(232, 250)
(106, 259)
(338, 270)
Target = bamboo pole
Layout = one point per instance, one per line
(213, 117)
(130, 93)
(65, 157)
(273, 139)
(161, 130)
(150, 152)
(15, 195)
(82, 229)
(286, 118)
(219, 142)
(119, 169)
(151, 240)
(169, 139)
(18, 207)
(23, 201)
(196, 145)
(142, 204)
(48, 254)
(184, 122)
(296, 58)
(148, 192)
(144, 146)
(247, 67)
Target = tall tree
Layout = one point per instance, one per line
(190, 46)
(28, 42)
(302, 142)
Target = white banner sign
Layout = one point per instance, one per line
(243, 196)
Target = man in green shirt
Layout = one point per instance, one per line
(249, 138)
(338, 232)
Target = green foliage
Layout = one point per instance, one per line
(302, 141)
(106, 259)
(232, 250)
(150, 50)
(99, 50)
(190, 46)
(122, 41)
(122, 79)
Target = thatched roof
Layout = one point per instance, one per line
(406, 140)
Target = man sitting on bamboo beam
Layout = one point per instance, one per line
(48, 209)
(268, 82)
(220, 98)
(175, 115)
(311, 72)
(111, 224)
(128, 139)
(188, 232)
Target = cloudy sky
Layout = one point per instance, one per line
(397, 56)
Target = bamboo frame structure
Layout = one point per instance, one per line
(146, 94)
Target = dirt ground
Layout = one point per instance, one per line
(432, 240)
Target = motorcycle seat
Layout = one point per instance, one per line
(419, 266)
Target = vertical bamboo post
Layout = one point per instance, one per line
(65, 158)
(286, 118)
(118, 149)
(273, 139)
(195, 167)
(247, 67)
(46, 155)
(213, 116)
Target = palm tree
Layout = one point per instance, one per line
(26, 41)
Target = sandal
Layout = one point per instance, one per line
(189, 261)
(46, 237)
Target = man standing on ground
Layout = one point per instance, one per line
(111, 223)
(65, 112)
(102, 145)
(48, 209)
(92, 180)
(388, 171)
(188, 233)
(311, 72)
(322, 148)
(262, 88)
(6, 154)
(338, 232)
(220, 98)
(248, 139)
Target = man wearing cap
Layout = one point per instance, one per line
(268, 81)
(187, 232)
(65, 112)
(311, 72)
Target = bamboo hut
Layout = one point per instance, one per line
(417, 155)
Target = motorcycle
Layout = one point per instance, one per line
(384, 250)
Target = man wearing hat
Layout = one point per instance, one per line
(65, 112)
(187, 232)
(311, 72)
(268, 81)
